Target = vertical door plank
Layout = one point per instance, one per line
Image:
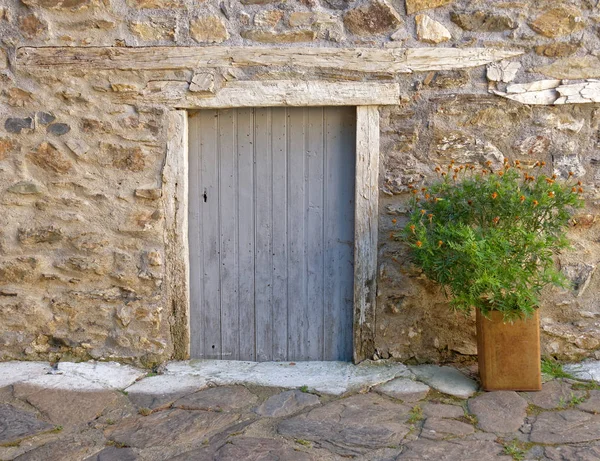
(209, 203)
(297, 204)
(228, 235)
(195, 240)
(279, 218)
(314, 244)
(246, 204)
(263, 278)
(339, 194)
(346, 173)
(332, 257)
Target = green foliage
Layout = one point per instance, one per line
(513, 449)
(489, 237)
(553, 368)
(415, 414)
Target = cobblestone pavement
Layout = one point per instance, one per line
(405, 418)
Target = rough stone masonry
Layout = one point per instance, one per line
(82, 236)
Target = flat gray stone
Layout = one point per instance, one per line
(592, 404)
(578, 453)
(64, 407)
(447, 380)
(589, 370)
(499, 412)
(442, 410)
(253, 449)
(286, 403)
(71, 448)
(443, 429)
(227, 398)
(169, 427)
(114, 454)
(163, 390)
(453, 450)
(16, 424)
(404, 389)
(335, 378)
(84, 376)
(563, 427)
(554, 394)
(14, 372)
(351, 426)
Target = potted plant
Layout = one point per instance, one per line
(488, 238)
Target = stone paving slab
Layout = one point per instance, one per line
(334, 378)
(286, 403)
(404, 389)
(16, 424)
(565, 427)
(69, 375)
(588, 370)
(446, 379)
(499, 412)
(226, 398)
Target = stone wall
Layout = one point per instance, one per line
(82, 241)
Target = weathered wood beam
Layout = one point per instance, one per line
(365, 231)
(268, 93)
(175, 199)
(368, 60)
(553, 92)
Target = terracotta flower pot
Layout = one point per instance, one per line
(509, 353)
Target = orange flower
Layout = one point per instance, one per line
(522, 198)
(517, 162)
(543, 164)
(394, 221)
(412, 228)
(500, 173)
(580, 190)
(550, 181)
(550, 194)
(488, 163)
(440, 243)
(419, 243)
(571, 173)
(535, 203)
(496, 219)
(573, 189)
(423, 211)
(414, 191)
(470, 202)
(495, 195)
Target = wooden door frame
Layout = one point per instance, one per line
(175, 193)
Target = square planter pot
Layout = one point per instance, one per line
(509, 353)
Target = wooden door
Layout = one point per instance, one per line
(271, 232)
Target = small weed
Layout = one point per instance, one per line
(144, 411)
(303, 442)
(512, 449)
(304, 389)
(415, 415)
(554, 369)
(533, 410)
(110, 421)
(57, 429)
(150, 374)
(471, 419)
(576, 400)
